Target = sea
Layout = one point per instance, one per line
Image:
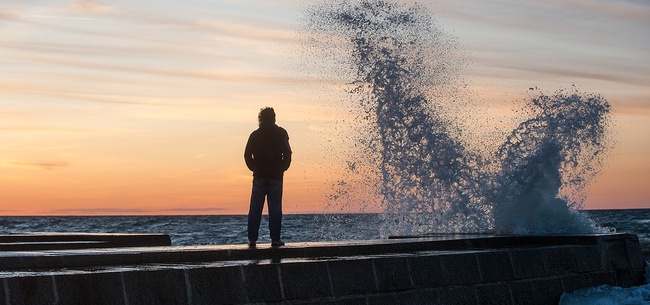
(231, 229)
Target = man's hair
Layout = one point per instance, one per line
(266, 116)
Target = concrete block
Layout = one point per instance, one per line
(575, 282)
(630, 277)
(177, 256)
(528, 263)
(382, 299)
(60, 241)
(30, 290)
(352, 276)
(114, 259)
(94, 288)
(13, 262)
(546, 291)
(617, 257)
(520, 292)
(392, 274)
(37, 262)
(560, 260)
(217, 285)
(459, 295)
(426, 271)
(3, 293)
(495, 266)
(536, 292)
(426, 296)
(603, 278)
(355, 300)
(493, 294)
(635, 253)
(306, 302)
(587, 258)
(155, 287)
(322, 251)
(262, 283)
(305, 280)
(460, 268)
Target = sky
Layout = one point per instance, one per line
(144, 106)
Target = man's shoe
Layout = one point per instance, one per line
(252, 244)
(276, 244)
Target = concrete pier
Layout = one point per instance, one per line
(60, 241)
(443, 269)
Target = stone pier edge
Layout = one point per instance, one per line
(481, 270)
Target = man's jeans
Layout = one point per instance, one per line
(272, 190)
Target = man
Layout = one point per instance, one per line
(268, 155)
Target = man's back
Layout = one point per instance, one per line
(267, 152)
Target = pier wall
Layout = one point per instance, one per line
(456, 270)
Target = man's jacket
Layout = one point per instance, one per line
(267, 152)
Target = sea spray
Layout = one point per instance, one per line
(547, 161)
(408, 159)
(422, 172)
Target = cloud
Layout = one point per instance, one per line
(42, 129)
(96, 211)
(625, 10)
(134, 211)
(217, 76)
(9, 15)
(72, 93)
(577, 72)
(91, 6)
(180, 174)
(190, 210)
(43, 165)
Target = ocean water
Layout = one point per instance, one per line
(205, 230)
(231, 229)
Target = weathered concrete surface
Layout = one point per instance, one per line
(433, 270)
(61, 241)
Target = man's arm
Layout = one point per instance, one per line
(286, 153)
(248, 154)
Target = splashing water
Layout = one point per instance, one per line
(546, 161)
(408, 151)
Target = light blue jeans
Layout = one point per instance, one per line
(271, 189)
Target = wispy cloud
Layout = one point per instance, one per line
(43, 165)
(91, 6)
(214, 75)
(9, 15)
(97, 211)
(615, 9)
(42, 129)
(179, 174)
(593, 69)
(133, 211)
(74, 94)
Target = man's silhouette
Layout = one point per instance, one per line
(268, 155)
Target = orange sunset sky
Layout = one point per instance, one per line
(144, 106)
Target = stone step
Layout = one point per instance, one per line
(61, 241)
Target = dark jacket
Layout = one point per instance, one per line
(267, 152)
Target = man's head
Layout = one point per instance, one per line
(266, 116)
